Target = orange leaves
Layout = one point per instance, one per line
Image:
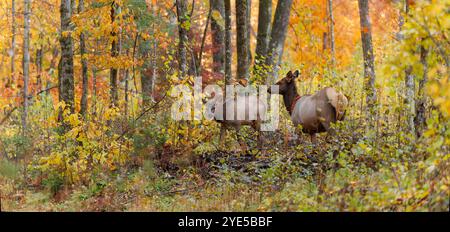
(107, 61)
(308, 32)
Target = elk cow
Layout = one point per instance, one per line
(315, 112)
(248, 110)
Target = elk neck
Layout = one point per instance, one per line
(290, 96)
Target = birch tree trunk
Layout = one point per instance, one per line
(65, 67)
(409, 98)
(332, 42)
(277, 38)
(218, 35)
(26, 62)
(13, 40)
(242, 40)
(154, 57)
(410, 90)
(84, 67)
(228, 57)
(369, 67)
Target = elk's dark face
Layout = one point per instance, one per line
(286, 83)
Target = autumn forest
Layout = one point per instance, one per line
(101, 105)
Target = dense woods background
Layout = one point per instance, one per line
(85, 105)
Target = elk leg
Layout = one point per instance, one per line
(299, 139)
(239, 138)
(257, 127)
(330, 131)
(313, 138)
(260, 140)
(222, 135)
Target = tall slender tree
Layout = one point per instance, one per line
(146, 78)
(420, 119)
(13, 40)
(39, 62)
(154, 54)
(242, 39)
(277, 38)
(26, 61)
(114, 95)
(218, 35)
(367, 46)
(183, 36)
(228, 48)
(409, 84)
(144, 48)
(66, 79)
(332, 42)
(84, 67)
(263, 36)
(249, 30)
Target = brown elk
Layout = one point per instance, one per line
(315, 112)
(248, 110)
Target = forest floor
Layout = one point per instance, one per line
(284, 177)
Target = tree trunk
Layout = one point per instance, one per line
(147, 50)
(146, 71)
(262, 39)
(183, 36)
(410, 90)
(249, 29)
(114, 53)
(13, 41)
(420, 119)
(154, 57)
(277, 38)
(39, 61)
(146, 83)
(84, 67)
(26, 62)
(242, 40)
(66, 82)
(325, 42)
(218, 35)
(228, 57)
(409, 98)
(401, 19)
(154, 69)
(369, 67)
(73, 7)
(94, 80)
(192, 56)
(127, 76)
(199, 55)
(332, 42)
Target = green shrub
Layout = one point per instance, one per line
(54, 183)
(8, 169)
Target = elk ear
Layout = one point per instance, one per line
(296, 73)
(348, 97)
(289, 76)
(243, 82)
